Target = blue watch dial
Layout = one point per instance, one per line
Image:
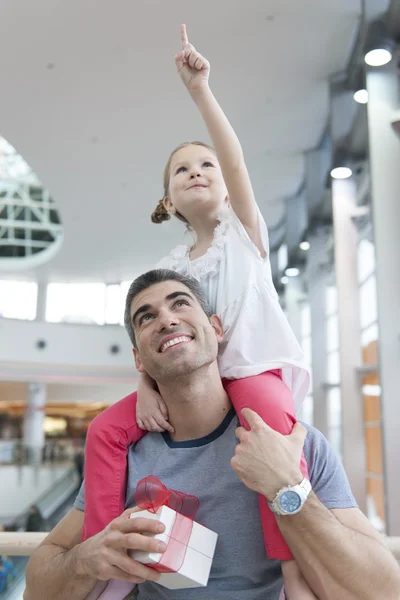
(290, 501)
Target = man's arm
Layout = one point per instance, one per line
(63, 568)
(52, 570)
(338, 551)
(340, 554)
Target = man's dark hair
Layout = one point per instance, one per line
(143, 282)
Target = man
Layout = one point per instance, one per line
(339, 553)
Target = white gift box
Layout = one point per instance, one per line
(196, 566)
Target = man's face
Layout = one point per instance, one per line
(174, 336)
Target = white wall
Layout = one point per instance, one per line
(73, 353)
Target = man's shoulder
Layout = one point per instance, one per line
(317, 450)
(314, 435)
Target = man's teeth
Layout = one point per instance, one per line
(177, 340)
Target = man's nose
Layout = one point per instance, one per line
(166, 320)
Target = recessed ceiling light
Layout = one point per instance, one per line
(378, 57)
(284, 280)
(341, 173)
(361, 96)
(292, 272)
(304, 245)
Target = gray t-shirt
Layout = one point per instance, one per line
(240, 570)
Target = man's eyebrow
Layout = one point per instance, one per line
(176, 294)
(142, 309)
(146, 307)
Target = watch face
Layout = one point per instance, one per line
(290, 501)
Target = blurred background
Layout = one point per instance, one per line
(90, 108)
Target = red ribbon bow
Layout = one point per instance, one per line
(151, 494)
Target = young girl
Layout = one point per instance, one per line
(260, 359)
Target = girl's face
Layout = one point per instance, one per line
(196, 186)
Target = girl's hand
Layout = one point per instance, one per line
(193, 68)
(151, 410)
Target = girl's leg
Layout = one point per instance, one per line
(109, 436)
(268, 396)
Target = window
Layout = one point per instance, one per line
(331, 300)
(332, 333)
(368, 302)
(113, 309)
(76, 303)
(335, 419)
(18, 299)
(366, 260)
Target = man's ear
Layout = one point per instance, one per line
(169, 207)
(216, 324)
(138, 360)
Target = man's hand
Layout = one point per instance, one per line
(105, 555)
(266, 460)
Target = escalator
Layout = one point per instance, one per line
(16, 576)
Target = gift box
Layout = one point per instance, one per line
(190, 546)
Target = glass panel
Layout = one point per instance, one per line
(332, 333)
(334, 406)
(125, 285)
(369, 335)
(334, 398)
(368, 302)
(76, 303)
(366, 259)
(113, 304)
(333, 367)
(18, 299)
(305, 320)
(335, 439)
(306, 345)
(331, 300)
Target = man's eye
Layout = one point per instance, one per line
(181, 302)
(144, 319)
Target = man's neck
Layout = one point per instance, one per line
(197, 403)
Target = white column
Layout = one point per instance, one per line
(34, 436)
(346, 247)
(41, 302)
(383, 91)
(317, 275)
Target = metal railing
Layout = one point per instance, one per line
(23, 544)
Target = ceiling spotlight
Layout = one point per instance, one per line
(292, 272)
(341, 173)
(304, 245)
(361, 96)
(284, 280)
(378, 57)
(379, 46)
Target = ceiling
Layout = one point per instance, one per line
(91, 100)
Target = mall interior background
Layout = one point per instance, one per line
(86, 126)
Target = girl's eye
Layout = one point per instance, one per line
(207, 164)
(181, 169)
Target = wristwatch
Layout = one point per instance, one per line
(290, 500)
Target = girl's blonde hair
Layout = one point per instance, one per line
(160, 213)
